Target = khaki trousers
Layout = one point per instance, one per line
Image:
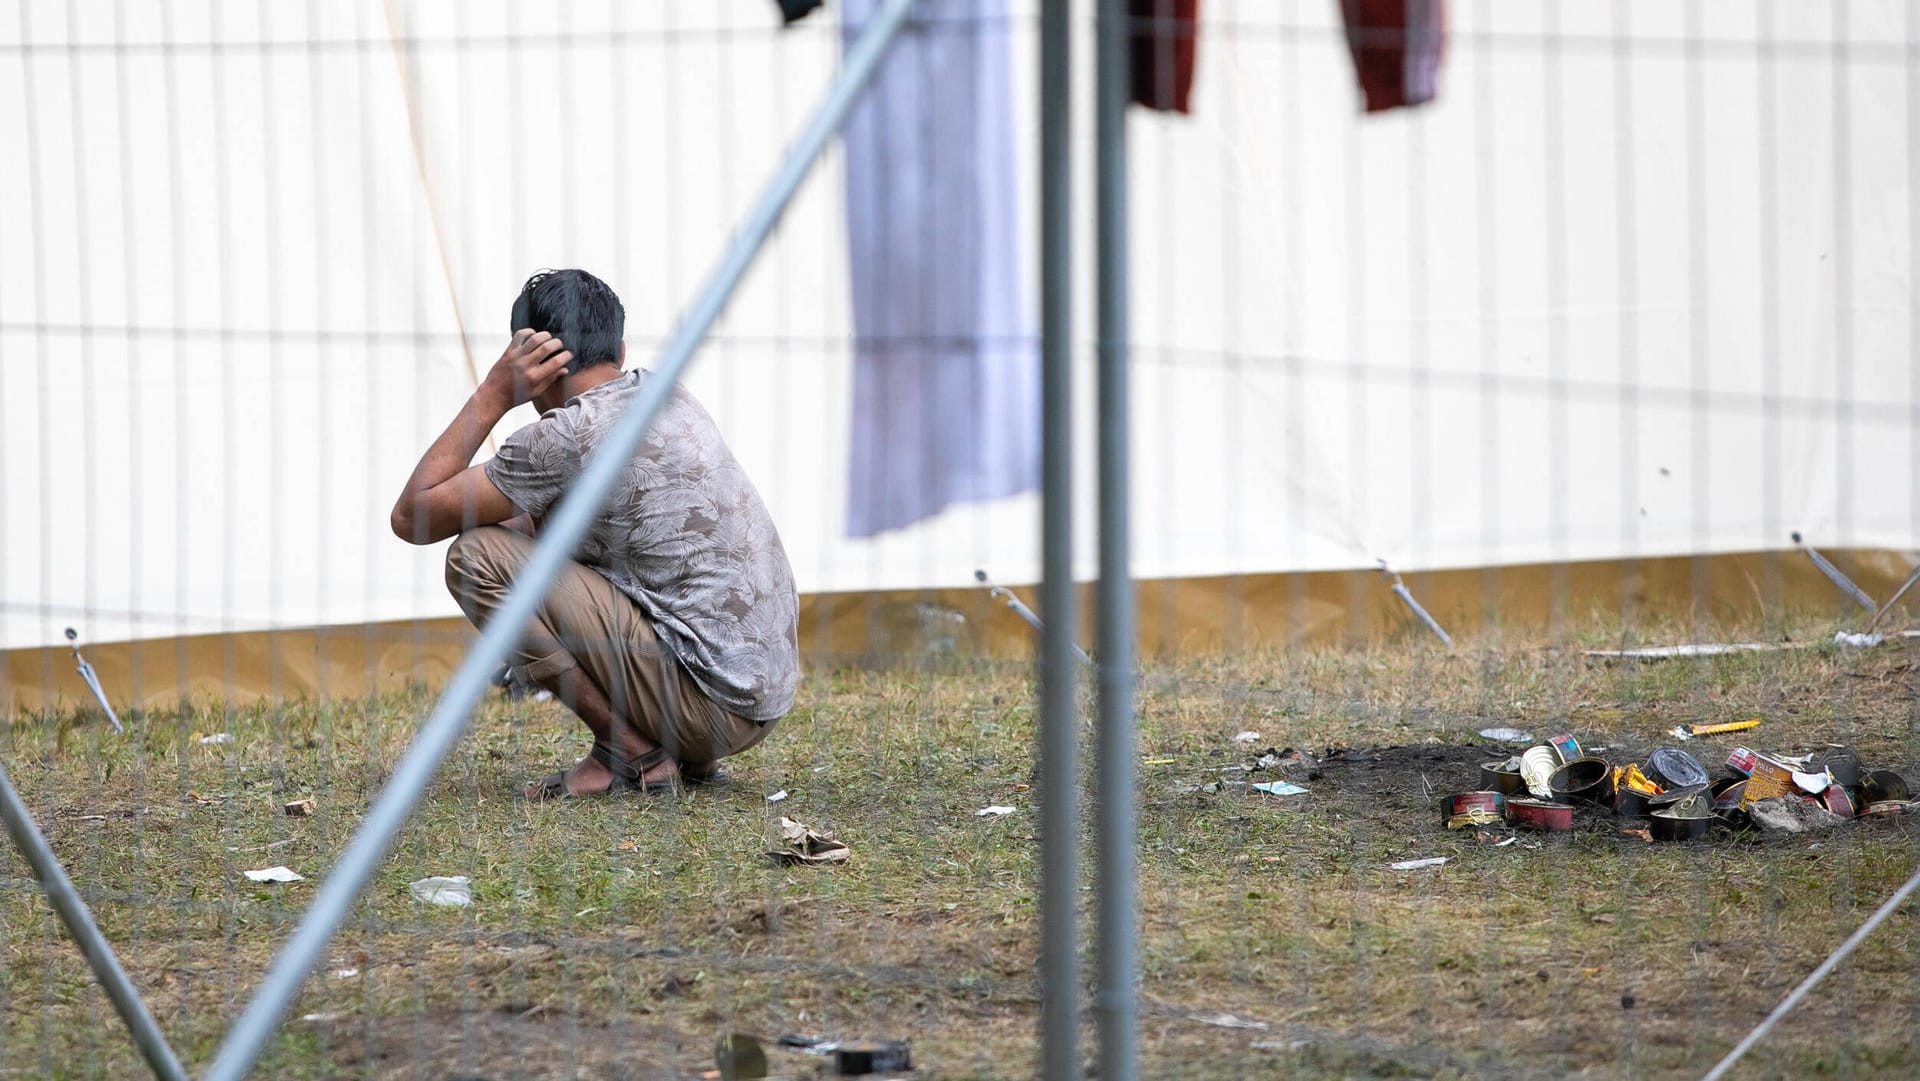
(585, 622)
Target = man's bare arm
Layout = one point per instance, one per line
(445, 495)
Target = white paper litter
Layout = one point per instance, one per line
(1247, 738)
(1858, 641)
(995, 811)
(1278, 788)
(1415, 865)
(777, 796)
(276, 874)
(345, 973)
(1506, 735)
(1227, 1020)
(218, 737)
(453, 890)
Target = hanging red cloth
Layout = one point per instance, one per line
(1396, 46)
(1162, 34)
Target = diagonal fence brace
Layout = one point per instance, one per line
(444, 726)
(86, 934)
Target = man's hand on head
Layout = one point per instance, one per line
(533, 361)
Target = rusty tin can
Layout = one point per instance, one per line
(1884, 786)
(1502, 776)
(1630, 802)
(1538, 814)
(1473, 809)
(1675, 768)
(1838, 801)
(1741, 761)
(1583, 780)
(1668, 825)
(1565, 746)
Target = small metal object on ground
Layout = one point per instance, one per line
(872, 1056)
(1675, 768)
(1668, 825)
(1583, 780)
(1473, 809)
(1673, 797)
(1883, 786)
(1631, 802)
(1840, 581)
(1534, 814)
(1886, 808)
(1839, 801)
(92, 680)
(739, 1056)
(1565, 747)
(1502, 776)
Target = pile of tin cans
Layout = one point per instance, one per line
(1670, 792)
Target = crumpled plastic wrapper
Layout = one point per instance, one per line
(454, 890)
(808, 845)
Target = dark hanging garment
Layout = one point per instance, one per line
(1162, 35)
(1396, 46)
(792, 11)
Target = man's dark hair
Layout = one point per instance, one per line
(577, 308)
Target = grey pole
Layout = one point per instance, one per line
(563, 529)
(1115, 1007)
(1059, 724)
(86, 934)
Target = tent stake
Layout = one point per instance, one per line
(1400, 590)
(1834, 575)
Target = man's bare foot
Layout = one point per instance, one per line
(595, 775)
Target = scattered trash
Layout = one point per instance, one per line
(1247, 738)
(300, 808)
(1534, 814)
(1581, 780)
(276, 874)
(1675, 768)
(996, 811)
(1790, 814)
(1158, 761)
(777, 796)
(1279, 1045)
(206, 801)
(1278, 788)
(739, 1056)
(1227, 1020)
(1473, 809)
(217, 737)
(1414, 865)
(807, 845)
(808, 1045)
(455, 891)
(1503, 777)
(1690, 731)
(1536, 769)
(345, 973)
(1565, 747)
(872, 1056)
(1506, 735)
(1857, 641)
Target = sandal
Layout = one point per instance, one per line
(628, 774)
(712, 777)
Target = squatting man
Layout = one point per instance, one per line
(672, 632)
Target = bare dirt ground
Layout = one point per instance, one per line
(617, 938)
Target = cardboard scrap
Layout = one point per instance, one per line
(1415, 865)
(808, 845)
(300, 808)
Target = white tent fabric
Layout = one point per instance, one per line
(1633, 286)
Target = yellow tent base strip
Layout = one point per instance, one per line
(1178, 617)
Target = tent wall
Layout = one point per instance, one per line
(1669, 598)
(1639, 285)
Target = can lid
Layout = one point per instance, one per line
(1675, 768)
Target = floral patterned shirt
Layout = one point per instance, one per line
(684, 534)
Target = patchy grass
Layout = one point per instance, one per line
(617, 938)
